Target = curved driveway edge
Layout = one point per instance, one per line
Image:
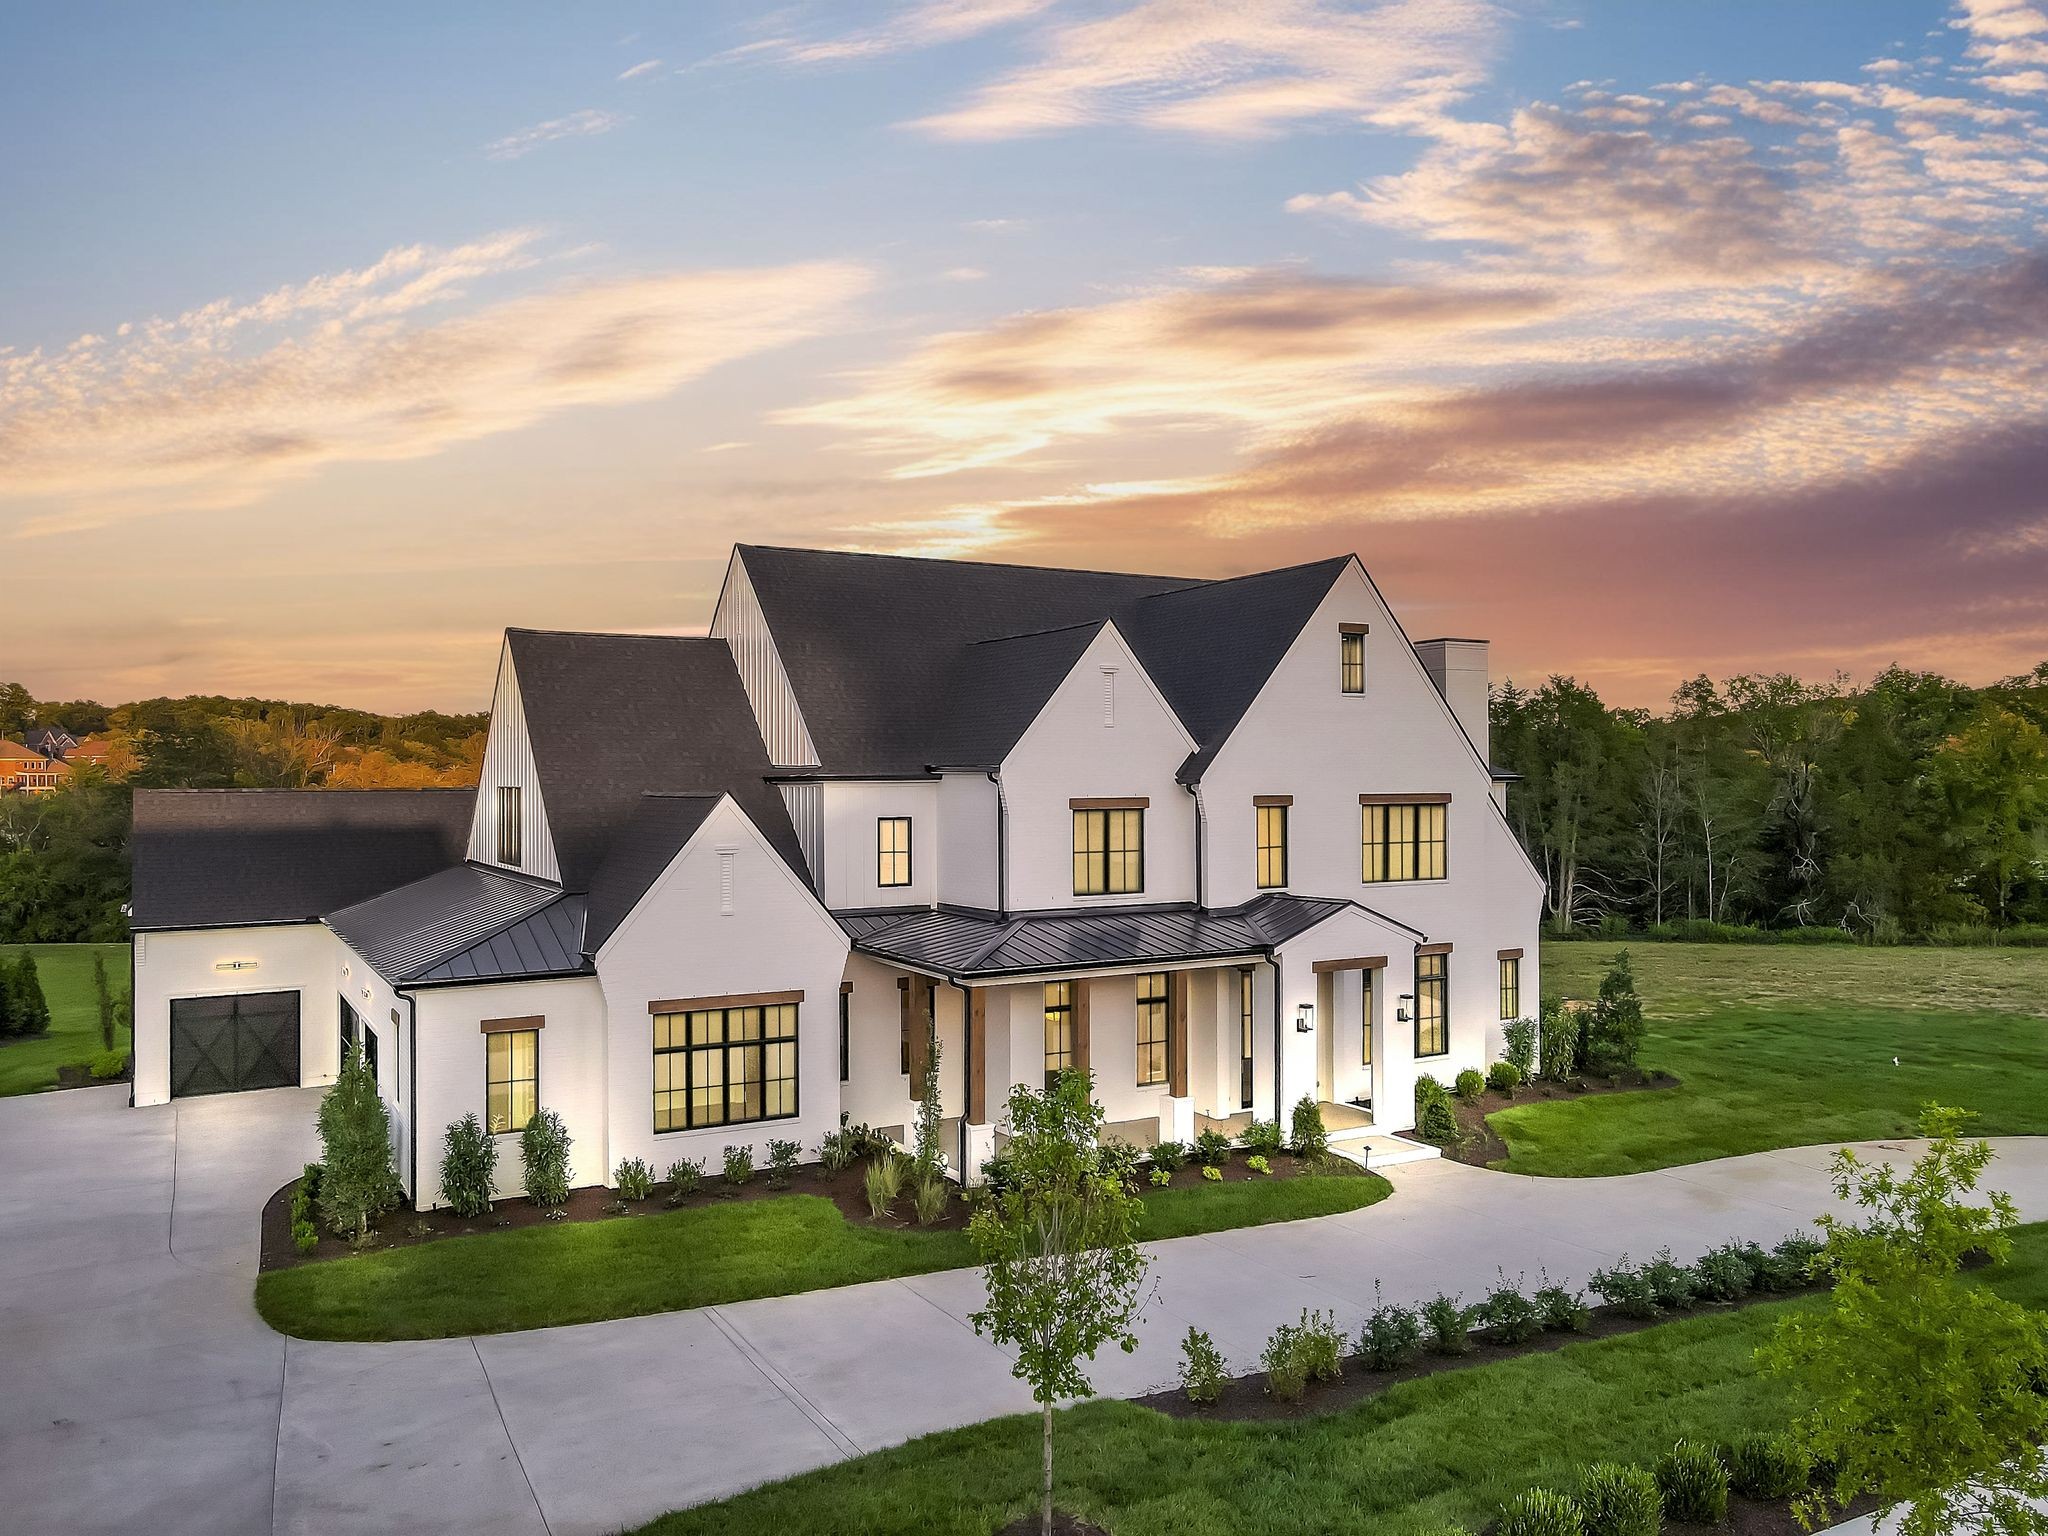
(145, 1392)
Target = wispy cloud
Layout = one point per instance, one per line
(577, 125)
(644, 67)
(924, 24)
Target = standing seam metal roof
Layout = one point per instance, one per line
(406, 933)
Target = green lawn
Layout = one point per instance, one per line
(1781, 1046)
(29, 1066)
(1451, 1447)
(539, 1277)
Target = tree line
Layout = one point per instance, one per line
(1913, 808)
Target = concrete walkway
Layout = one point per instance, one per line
(142, 1392)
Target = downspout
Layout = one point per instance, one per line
(412, 1092)
(995, 777)
(966, 1068)
(1201, 840)
(1279, 1042)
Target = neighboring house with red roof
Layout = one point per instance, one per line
(27, 771)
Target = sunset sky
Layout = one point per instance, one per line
(1643, 339)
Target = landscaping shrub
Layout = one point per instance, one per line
(1286, 1373)
(469, 1167)
(1626, 1287)
(1320, 1343)
(1258, 1164)
(107, 1065)
(928, 1197)
(1674, 1286)
(1618, 1500)
(1794, 1262)
(1307, 1135)
(1201, 1367)
(1614, 1031)
(1767, 1467)
(739, 1165)
(1447, 1325)
(1692, 1484)
(1212, 1148)
(1161, 1178)
(1263, 1137)
(1170, 1155)
(1434, 1120)
(1519, 1046)
(997, 1172)
(27, 1011)
(358, 1182)
(1212, 1175)
(1723, 1273)
(634, 1180)
(1469, 1084)
(684, 1175)
(838, 1150)
(1508, 1316)
(544, 1158)
(1562, 1310)
(883, 1182)
(1540, 1512)
(305, 1236)
(1118, 1160)
(782, 1156)
(1559, 1030)
(1504, 1077)
(1391, 1336)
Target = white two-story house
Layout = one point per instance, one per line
(1224, 844)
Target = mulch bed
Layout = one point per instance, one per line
(1481, 1146)
(1245, 1397)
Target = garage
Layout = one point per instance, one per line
(230, 1044)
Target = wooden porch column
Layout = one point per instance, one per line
(1080, 1025)
(917, 1028)
(977, 1055)
(1177, 1034)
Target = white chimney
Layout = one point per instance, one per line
(1458, 668)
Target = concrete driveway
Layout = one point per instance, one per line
(142, 1392)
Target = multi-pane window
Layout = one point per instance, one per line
(1244, 1038)
(508, 824)
(1109, 852)
(1365, 1050)
(1351, 660)
(892, 850)
(1432, 1004)
(1151, 1028)
(1404, 841)
(1511, 986)
(724, 1066)
(1272, 845)
(1059, 1028)
(511, 1079)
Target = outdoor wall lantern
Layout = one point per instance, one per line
(1401, 1008)
(1305, 1019)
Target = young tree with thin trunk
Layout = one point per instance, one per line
(1058, 1245)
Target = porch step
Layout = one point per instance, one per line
(1380, 1150)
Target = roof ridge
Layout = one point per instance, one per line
(603, 634)
(1224, 581)
(1001, 565)
(1056, 629)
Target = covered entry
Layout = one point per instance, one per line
(227, 1044)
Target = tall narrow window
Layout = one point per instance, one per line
(892, 850)
(846, 1033)
(1365, 1050)
(511, 1079)
(370, 1053)
(724, 1066)
(1511, 986)
(1351, 658)
(350, 1027)
(1109, 850)
(1059, 1028)
(508, 824)
(1151, 1028)
(1271, 812)
(1404, 840)
(1244, 1038)
(1432, 1005)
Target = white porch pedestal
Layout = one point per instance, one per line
(981, 1146)
(1176, 1119)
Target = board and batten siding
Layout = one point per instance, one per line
(508, 760)
(740, 623)
(806, 805)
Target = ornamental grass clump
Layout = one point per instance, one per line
(633, 1179)
(544, 1159)
(1320, 1343)
(469, 1166)
(1391, 1337)
(1692, 1484)
(882, 1183)
(1202, 1373)
(928, 1197)
(1540, 1512)
(1447, 1325)
(1767, 1467)
(1618, 1500)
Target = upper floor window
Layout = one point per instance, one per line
(1109, 847)
(508, 824)
(1511, 984)
(892, 850)
(1432, 1004)
(1403, 839)
(724, 1066)
(1271, 811)
(1351, 656)
(1151, 1028)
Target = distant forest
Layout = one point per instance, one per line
(1911, 809)
(64, 855)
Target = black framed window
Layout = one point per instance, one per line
(1109, 852)
(370, 1052)
(892, 850)
(1272, 838)
(1351, 661)
(1511, 987)
(1405, 841)
(1151, 1028)
(511, 1079)
(1244, 1038)
(1059, 1028)
(1365, 1050)
(351, 1027)
(845, 1036)
(508, 825)
(724, 1066)
(1432, 1005)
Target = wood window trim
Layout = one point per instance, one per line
(1509, 954)
(508, 1026)
(732, 1000)
(884, 854)
(1264, 800)
(1432, 949)
(1112, 803)
(1355, 963)
(1354, 629)
(1409, 799)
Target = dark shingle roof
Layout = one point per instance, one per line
(885, 653)
(616, 717)
(652, 836)
(964, 944)
(209, 858)
(407, 934)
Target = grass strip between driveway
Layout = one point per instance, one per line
(542, 1277)
(1450, 1447)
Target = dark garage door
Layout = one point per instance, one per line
(225, 1044)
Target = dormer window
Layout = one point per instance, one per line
(1351, 656)
(892, 850)
(508, 825)
(1109, 846)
